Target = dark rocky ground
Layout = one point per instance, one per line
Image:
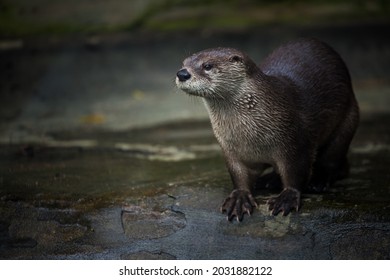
(102, 158)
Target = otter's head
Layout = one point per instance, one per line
(215, 73)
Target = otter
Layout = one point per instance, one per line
(296, 112)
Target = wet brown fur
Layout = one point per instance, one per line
(295, 112)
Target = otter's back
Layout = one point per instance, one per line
(319, 80)
(314, 68)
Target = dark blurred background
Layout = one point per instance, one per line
(58, 17)
(111, 64)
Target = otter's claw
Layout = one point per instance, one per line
(237, 204)
(287, 200)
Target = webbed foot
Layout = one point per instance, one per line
(238, 203)
(287, 200)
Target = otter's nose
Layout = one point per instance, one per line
(183, 75)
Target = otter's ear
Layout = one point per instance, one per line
(236, 58)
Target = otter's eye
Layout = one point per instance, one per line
(207, 66)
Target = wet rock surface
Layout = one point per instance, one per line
(104, 203)
(139, 223)
(100, 163)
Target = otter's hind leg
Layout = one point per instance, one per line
(331, 163)
(326, 173)
(270, 181)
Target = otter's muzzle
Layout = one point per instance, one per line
(183, 75)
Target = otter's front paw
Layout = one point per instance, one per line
(238, 203)
(287, 200)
